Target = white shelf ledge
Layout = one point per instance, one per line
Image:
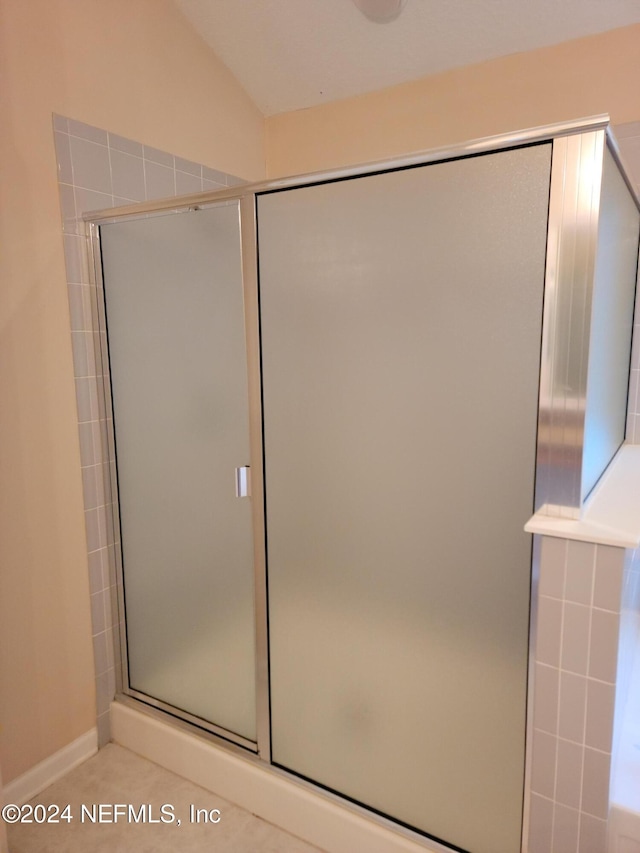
(611, 515)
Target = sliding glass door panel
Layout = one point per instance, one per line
(174, 302)
(401, 323)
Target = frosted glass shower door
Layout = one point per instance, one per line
(174, 305)
(401, 322)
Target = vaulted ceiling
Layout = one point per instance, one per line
(291, 54)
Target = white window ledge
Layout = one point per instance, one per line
(611, 515)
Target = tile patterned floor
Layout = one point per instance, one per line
(116, 775)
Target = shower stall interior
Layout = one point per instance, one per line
(337, 400)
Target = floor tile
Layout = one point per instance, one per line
(117, 776)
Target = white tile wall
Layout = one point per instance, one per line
(97, 170)
(624, 829)
(575, 659)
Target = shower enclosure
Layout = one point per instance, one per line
(337, 400)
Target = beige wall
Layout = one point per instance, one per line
(572, 80)
(4, 845)
(136, 68)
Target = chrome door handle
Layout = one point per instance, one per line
(243, 482)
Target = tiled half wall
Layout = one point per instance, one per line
(97, 170)
(576, 602)
(576, 643)
(624, 815)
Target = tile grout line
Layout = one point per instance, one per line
(560, 649)
(581, 603)
(594, 567)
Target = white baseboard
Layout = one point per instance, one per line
(22, 789)
(295, 808)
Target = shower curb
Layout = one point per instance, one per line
(261, 790)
